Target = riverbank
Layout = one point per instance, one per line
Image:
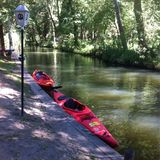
(38, 134)
(115, 56)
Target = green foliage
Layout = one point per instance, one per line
(67, 43)
(128, 57)
(110, 55)
(89, 27)
(118, 56)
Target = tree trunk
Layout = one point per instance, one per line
(140, 24)
(2, 45)
(75, 35)
(10, 36)
(58, 10)
(75, 25)
(53, 23)
(120, 27)
(81, 32)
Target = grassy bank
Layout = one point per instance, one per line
(12, 73)
(114, 56)
(6, 66)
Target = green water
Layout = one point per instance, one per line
(126, 100)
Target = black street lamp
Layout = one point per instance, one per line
(22, 17)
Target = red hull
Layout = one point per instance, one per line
(43, 79)
(80, 112)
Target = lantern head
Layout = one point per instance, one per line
(22, 15)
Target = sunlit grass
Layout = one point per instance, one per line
(6, 65)
(14, 77)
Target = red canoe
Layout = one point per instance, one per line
(43, 79)
(82, 114)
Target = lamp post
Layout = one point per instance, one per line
(22, 17)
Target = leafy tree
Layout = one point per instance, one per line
(6, 18)
(90, 24)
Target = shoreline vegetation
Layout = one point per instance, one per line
(115, 56)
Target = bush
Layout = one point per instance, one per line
(114, 56)
(66, 42)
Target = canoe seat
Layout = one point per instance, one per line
(41, 75)
(70, 103)
(63, 97)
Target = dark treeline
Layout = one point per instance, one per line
(119, 32)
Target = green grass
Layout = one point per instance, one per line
(6, 65)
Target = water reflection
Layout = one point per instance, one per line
(126, 100)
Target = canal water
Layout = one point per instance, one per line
(127, 101)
